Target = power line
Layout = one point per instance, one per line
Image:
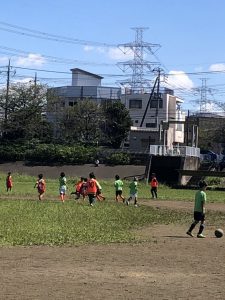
(48, 36)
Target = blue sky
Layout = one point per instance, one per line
(190, 32)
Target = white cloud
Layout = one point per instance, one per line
(179, 79)
(217, 67)
(112, 53)
(24, 80)
(88, 48)
(4, 59)
(31, 60)
(118, 54)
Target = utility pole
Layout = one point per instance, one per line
(203, 100)
(35, 84)
(7, 92)
(158, 98)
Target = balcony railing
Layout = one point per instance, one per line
(174, 151)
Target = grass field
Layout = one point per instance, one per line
(26, 221)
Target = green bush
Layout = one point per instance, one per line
(118, 159)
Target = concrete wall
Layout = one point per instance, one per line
(166, 168)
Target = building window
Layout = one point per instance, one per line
(150, 125)
(135, 103)
(156, 103)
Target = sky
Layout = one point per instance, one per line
(50, 37)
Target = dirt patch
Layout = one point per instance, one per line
(102, 171)
(167, 264)
(182, 205)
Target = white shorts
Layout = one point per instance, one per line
(133, 196)
(62, 190)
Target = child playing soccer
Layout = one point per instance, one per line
(92, 188)
(78, 186)
(154, 186)
(133, 192)
(9, 182)
(199, 210)
(62, 186)
(119, 188)
(41, 186)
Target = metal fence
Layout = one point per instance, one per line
(174, 151)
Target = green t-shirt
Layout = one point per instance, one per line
(62, 182)
(133, 187)
(118, 185)
(200, 199)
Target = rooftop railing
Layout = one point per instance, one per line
(174, 151)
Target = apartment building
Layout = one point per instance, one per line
(156, 121)
(84, 85)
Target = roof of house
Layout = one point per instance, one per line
(77, 70)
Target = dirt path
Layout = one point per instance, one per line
(164, 264)
(102, 172)
(182, 205)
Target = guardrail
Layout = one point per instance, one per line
(175, 151)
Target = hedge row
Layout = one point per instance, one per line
(60, 154)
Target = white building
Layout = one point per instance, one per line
(85, 85)
(162, 123)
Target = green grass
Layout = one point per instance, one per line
(26, 221)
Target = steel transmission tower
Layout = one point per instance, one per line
(138, 64)
(203, 100)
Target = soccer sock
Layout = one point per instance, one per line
(201, 228)
(192, 227)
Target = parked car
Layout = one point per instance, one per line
(212, 156)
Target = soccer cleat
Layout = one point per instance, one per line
(201, 236)
(135, 205)
(127, 202)
(190, 233)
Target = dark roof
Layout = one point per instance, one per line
(77, 70)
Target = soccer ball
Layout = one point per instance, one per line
(218, 233)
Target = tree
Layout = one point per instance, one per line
(118, 122)
(81, 122)
(25, 107)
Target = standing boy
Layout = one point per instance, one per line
(199, 210)
(154, 186)
(9, 182)
(133, 192)
(62, 186)
(119, 188)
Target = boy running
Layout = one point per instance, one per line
(41, 186)
(119, 188)
(78, 187)
(199, 210)
(92, 188)
(133, 192)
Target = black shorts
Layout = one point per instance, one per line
(119, 193)
(198, 216)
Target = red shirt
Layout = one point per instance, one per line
(154, 182)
